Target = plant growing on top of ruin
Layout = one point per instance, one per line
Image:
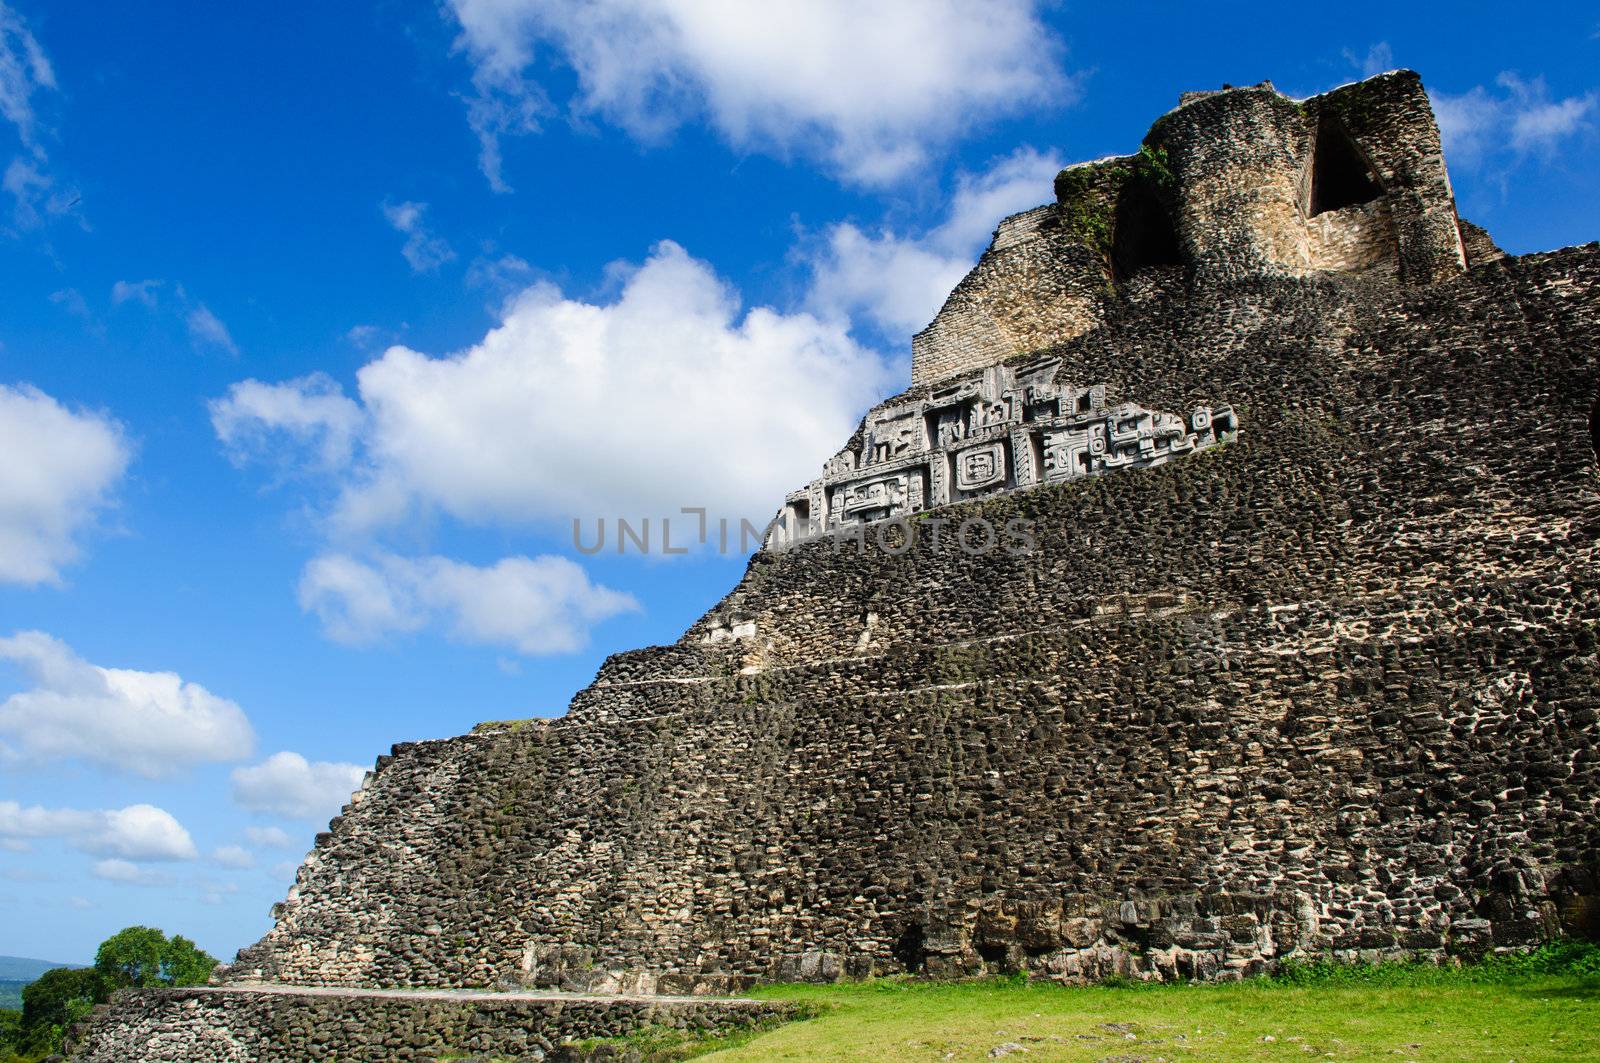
(1151, 163)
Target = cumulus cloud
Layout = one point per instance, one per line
(898, 281)
(287, 784)
(538, 605)
(143, 832)
(1518, 117)
(254, 419)
(148, 723)
(137, 832)
(873, 87)
(423, 250)
(59, 469)
(671, 395)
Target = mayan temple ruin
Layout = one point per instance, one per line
(1301, 657)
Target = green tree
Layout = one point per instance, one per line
(56, 1000)
(137, 957)
(132, 957)
(185, 963)
(141, 957)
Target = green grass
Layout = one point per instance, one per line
(664, 1044)
(1526, 1009)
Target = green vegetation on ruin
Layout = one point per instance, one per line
(139, 957)
(1544, 1006)
(1088, 194)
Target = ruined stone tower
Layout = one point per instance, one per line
(1300, 658)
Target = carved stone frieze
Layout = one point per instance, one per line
(1005, 429)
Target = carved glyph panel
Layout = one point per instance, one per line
(1008, 428)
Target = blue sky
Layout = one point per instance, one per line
(320, 323)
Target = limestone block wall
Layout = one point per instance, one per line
(1391, 121)
(1237, 157)
(239, 1026)
(1035, 285)
(1246, 162)
(1353, 239)
(1238, 181)
(1332, 688)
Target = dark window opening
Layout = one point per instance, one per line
(1340, 175)
(996, 956)
(911, 949)
(1142, 234)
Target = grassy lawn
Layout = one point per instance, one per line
(1522, 1018)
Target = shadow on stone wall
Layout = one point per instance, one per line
(1594, 427)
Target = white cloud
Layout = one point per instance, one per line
(207, 330)
(872, 86)
(423, 250)
(59, 469)
(143, 832)
(253, 418)
(362, 336)
(24, 70)
(217, 892)
(357, 602)
(26, 73)
(37, 194)
(148, 723)
(668, 396)
(71, 300)
(129, 873)
(268, 837)
(24, 824)
(1378, 60)
(1480, 125)
(898, 282)
(501, 275)
(537, 605)
(138, 291)
(137, 832)
(287, 784)
(234, 856)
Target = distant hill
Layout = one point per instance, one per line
(22, 969)
(18, 971)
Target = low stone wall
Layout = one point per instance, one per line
(271, 1024)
